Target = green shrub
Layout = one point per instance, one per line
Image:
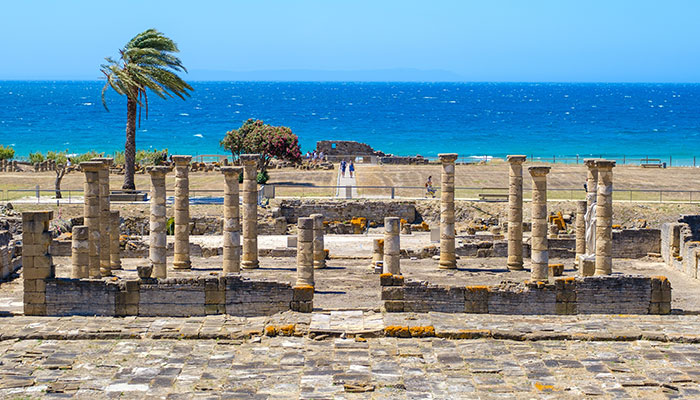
(240, 177)
(36, 157)
(263, 177)
(143, 157)
(77, 159)
(6, 153)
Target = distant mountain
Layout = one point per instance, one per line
(378, 75)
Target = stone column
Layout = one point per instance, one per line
(232, 225)
(91, 214)
(250, 211)
(515, 212)
(158, 239)
(447, 211)
(604, 214)
(37, 265)
(105, 224)
(114, 233)
(182, 212)
(539, 244)
(377, 251)
(392, 246)
(305, 252)
(80, 255)
(580, 229)
(319, 251)
(591, 181)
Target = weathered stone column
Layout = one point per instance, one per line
(539, 244)
(392, 246)
(80, 254)
(232, 225)
(319, 251)
(91, 214)
(447, 211)
(37, 265)
(580, 229)
(305, 252)
(377, 251)
(105, 224)
(250, 211)
(158, 239)
(114, 232)
(604, 214)
(515, 212)
(591, 181)
(182, 212)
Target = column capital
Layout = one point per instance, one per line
(249, 159)
(605, 164)
(156, 170)
(447, 157)
(106, 161)
(231, 170)
(539, 171)
(181, 160)
(590, 162)
(305, 223)
(516, 159)
(37, 215)
(91, 166)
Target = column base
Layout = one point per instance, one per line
(447, 264)
(515, 266)
(539, 272)
(320, 264)
(253, 264)
(182, 264)
(116, 266)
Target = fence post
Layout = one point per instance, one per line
(392, 192)
(623, 159)
(670, 160)
(38, 194)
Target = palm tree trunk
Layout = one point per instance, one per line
(130, 145)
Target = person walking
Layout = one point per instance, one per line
(351, 168)
(430, 190)
(343, 164)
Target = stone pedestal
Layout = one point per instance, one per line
(105, 225)
(515, 212)
(319, 251)
(539, 243)
(114, 256)
(580, 229)
(377, 251)
(181, 259)
(37, 265)
(232, 226)
(305, 252)
(158, 239)
(604, 214)
(591, 181)
(447, 211)
(80, 255)
(250, 211)
(91, 214)
(392, 246)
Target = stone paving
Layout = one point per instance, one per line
(337, 368)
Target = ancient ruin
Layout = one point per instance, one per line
(515, 212)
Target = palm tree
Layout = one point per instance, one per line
(146, 62)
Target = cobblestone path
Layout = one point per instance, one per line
(380, 368)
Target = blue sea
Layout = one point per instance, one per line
(472, 119)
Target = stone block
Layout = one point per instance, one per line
(394, 306)
(392, 293)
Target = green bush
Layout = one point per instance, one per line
(6, 153)
(143, 157)
(77, 159)
(263, 177)
(240, 177)
(36, 157)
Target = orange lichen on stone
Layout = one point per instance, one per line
(397, 331)
(381, 242)
(569, 279)
(360, 339)
(270, 330)
(422, 331)
(385, 275)
(544, 388)
(616, 226)
(478, 288)
(304, 287)
(660, 277)
(287, 330)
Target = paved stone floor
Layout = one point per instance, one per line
(336, 368)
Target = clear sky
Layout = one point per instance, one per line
(489, 40)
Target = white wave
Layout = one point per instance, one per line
(198, 135)
(185, 114)
(87, 104)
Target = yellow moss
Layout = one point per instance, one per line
(397, 331)
(287, 330)
(422, 331)
(270, 330)
(660, 277)
(385, 275)
(542, 387)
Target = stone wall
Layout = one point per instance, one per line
(343, 210)
(608, 294)
(174, 297)
(10, 255)
(344, 147)
(205, 226)
(680, 244)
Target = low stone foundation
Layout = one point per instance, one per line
(608, 294)
(184, 297)
(345, 210)
(680, 244)
(10, 255)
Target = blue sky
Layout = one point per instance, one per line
(495, 40)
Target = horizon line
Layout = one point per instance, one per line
(379, 81)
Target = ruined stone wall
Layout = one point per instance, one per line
(680, 244)
(180, 297)
(205, 226)
(10, 255)
(344, 210)
(609, 294)
(344, 147)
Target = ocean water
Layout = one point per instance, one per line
(472, 119)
